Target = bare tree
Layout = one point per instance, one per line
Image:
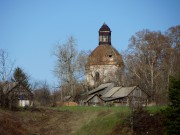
(6, 66)
(174, 35)
(70, 65)
(42, 95)
(148, 58)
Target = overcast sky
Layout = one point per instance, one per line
(29, 29)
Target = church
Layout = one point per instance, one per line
(105, 64)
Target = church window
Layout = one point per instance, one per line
(100, 38)
(106, 38)
(97, 76)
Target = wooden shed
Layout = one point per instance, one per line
(94, 100)
(126, 96)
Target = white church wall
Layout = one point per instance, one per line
(107, 73)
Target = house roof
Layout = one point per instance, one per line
(16, 88)
(100, 88)
(66, 98)
(111, 92)
(106, 99)
(123, 92)
(92, 96)
(8, 85)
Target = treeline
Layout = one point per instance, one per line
(151, 58)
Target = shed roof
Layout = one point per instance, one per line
(111, 92)
(92, 96)
(123, 92)
(100, 88)
(66, 98)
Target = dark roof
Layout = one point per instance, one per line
(101, 87)
(92, 96)
(104, 27)
(16, 88)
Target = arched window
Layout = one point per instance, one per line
(97, 76)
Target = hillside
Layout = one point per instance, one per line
(64, 120)
(69, 121)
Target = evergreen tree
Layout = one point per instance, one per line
(21, 77)
(173, 110)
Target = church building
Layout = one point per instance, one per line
(104, 64)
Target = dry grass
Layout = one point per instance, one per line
(43, 122)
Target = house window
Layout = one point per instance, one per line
(97, 76)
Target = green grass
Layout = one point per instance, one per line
(103, 122)
(102, 119)
(150, 109)
(92, 108)
(155, 109)
(101, 125)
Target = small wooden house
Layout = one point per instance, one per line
(16, 95)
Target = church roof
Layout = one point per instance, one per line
(104, 27)
(105, 55)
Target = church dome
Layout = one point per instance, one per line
(105, 55)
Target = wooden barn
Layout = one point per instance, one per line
(108, 94)
(126, 96)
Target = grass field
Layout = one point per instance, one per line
(104, 119)
(155, 109)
